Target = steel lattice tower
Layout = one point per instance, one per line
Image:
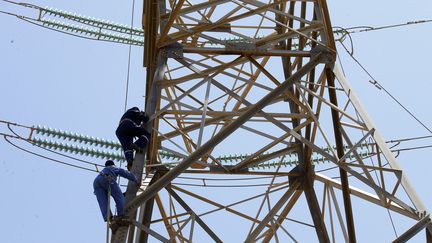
(258, 78)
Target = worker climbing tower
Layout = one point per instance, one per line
(258, 80)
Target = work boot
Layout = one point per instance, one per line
(137, 148)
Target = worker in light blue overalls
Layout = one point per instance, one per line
(107, 181)
(129, 128)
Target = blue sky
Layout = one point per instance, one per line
(52, 79)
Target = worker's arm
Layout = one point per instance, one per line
(126, 174)
(143, 117)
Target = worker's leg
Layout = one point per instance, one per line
(118, 198)
(101, 192)
(141, 141)
(138, 131)
(126, 141)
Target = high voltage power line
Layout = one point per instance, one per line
(102, 30)
(98, 143)
(60, 148)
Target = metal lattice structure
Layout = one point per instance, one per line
(257, 78)
(260, 78)
(245, 98)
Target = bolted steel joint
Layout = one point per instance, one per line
(174, 50)
(326, 56)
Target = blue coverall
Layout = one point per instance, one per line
(128, 128)
(107, 178)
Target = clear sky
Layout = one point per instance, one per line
(52, 79)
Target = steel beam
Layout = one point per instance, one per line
(379, 140)
(282, 216)
(420, 225)
(314, 209)
(254, 234)
(147, 209)
(197, 218)
(149, 231)
(225, 132)
(227, 208)
(138, 165)
(254, 51)
(341, 154)
(366, 196)
(209, 26)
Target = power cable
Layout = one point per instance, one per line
(348, 33)
(128, 68)
(357, 29)
(45, 157)
(49, 150)
(185, 184)
(393, 150)
(408, 139)
(391, 220)
(352, 30)
(379, 86)
(22, 4)
(129, 57)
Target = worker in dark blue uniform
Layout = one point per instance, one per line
(107, 180)
(129, 128)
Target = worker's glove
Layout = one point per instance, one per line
(144, 116)
(147, 134)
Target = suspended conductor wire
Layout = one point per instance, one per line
(129, 56)
(22, 4)
(185, 184)
(397, 141)
(352, 30)
(379, 86)
(49, 150)
(128, 68)
(372, 154)
(376, 174)
(45, 157)
(391, 220)
(408, 139)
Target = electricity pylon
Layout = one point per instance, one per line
(259, 77)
